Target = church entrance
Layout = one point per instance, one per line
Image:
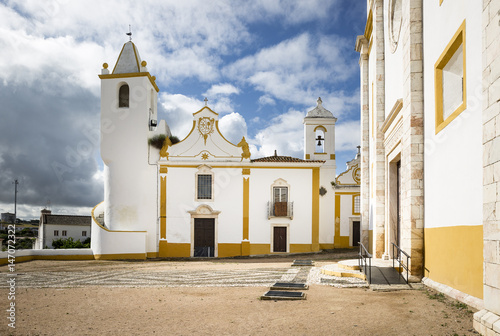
(356, 233)
(204, 237)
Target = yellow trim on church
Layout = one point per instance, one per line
(102, 227)
(455, 43)
(246, 207)
(454, 257)
(163, 207)
(315, 209)
(133, 74)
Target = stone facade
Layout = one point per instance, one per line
(487, 321)
(392, 137)
(412, 142)
(378, 109)
(362, 48)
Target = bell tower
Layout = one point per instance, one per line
(319, 135)
(319, 144)
(128, 120)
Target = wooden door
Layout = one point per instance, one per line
(279, 243)
(356, 233)
(204, 237)
(280, 201)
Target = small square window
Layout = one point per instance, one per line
(56, 232)
(64, 233)
(84, 233)
(450, 81)
(204, 186)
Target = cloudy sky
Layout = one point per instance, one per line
(262, 64)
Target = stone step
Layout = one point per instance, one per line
(303, 263)
(283, 295)
(289, 286)
(339, 271)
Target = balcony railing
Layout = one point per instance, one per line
(280, 209)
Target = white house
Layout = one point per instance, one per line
(204, 196)
(54, 227)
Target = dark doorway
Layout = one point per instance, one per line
(204, 237)
(279, 239)
(356, 233)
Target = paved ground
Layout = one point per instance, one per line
(155, 278)
(211, 297)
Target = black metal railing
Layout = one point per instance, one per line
(280, 209)
(364, 266)
(397, 256)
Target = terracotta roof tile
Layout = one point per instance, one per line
(67, 220)
(281, 158)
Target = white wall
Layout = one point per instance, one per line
(453, 157)
(300, 193)
(73, 231)
(130, 182)
(393, 67)
(345, 214)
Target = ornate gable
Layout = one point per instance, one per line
(205, 142)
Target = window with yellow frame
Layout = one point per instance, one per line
(356, 205)
(450, 81)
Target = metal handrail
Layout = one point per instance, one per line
(400, 261)
(363, 255)
(271, 211)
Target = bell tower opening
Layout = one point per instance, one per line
(320, 140)
(123, 96)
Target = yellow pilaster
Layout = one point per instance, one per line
(163, 207)
(315, 209)
(246, 206)
(245, 244)
(336, 238)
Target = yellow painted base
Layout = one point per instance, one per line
(342, 242)
(454, 257)
(121, 256)
(260, 249)
(300, 248)
(326, 246)
(152, 254)
(174, 250)
(4, 261)
(229, 250)
(245, 248)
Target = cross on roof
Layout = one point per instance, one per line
(129, 33)
(206, 101)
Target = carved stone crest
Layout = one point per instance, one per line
(206, 127)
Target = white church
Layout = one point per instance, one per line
(205, 196)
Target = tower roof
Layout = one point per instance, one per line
(129, 60)
(319, 111)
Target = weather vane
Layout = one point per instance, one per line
(129, 33)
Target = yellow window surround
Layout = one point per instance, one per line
(456, 42)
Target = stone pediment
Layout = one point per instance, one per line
(205, 142)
